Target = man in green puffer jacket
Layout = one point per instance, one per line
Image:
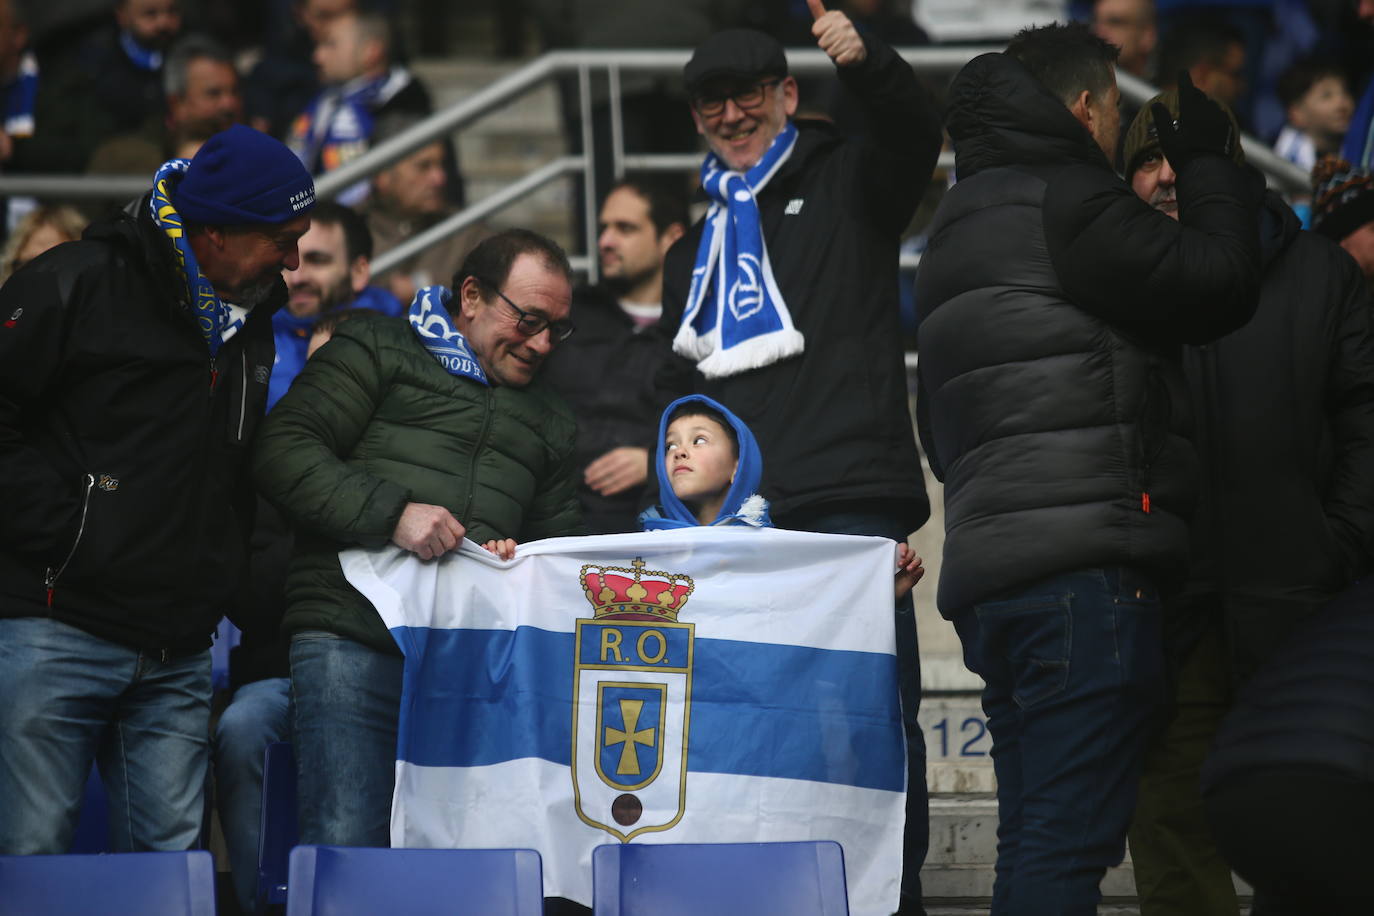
(418, 433)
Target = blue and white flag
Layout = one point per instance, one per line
(723, 685)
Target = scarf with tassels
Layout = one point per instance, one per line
(430, 319)
(218, 320)
(735, 318)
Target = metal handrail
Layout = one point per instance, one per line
(613, 64)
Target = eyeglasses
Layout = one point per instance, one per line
(745, 99)
(530, 324)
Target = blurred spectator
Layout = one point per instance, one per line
(1343, 210)
(1358, 148)
(1212, 52)
(603, 371)
(41, 229)
(408, 198)
(284, 81)
(1318, 106)
(202, 93)
(1130, 25)
(18, 79)
(333, 275)
(354, 59)
(260, 711)
(105, 83)
(1283, 424)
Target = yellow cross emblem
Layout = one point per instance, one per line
(627, 739)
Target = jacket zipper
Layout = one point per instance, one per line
(50, 579)
(472, 464)
(243, 389)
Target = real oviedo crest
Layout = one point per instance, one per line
(632, 700)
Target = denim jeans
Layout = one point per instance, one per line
(348, 702)
(1074, 668)
(68, 698)
(258, 715)
(916, 836)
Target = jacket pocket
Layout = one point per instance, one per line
(53, 573)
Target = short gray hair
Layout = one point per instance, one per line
(189, 48)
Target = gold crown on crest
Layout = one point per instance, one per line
(636, 593)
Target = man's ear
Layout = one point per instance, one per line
(670, 235)
(359, 272)
(790, 95)
(469, 298)
(1083, 110)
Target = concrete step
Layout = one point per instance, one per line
(959, 867)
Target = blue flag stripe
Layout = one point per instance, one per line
(757, 709)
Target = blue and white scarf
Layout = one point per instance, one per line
(218, 320)
(432, 323)
(20, 96)
(141, 57)
(735, 318)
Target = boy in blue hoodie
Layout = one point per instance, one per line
(710, 475)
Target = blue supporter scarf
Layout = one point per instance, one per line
(218, 321)
(337, 125)
(141, 57)
(19, 98)
(735, 318)
(432, 323)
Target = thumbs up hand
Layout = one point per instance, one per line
(836, 35)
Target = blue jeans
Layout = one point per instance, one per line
(916, 835)
(348, 703)
(1074, 667)
(259, 715)
(68, 698)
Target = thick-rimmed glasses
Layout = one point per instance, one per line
(745, 99)
(530, 324)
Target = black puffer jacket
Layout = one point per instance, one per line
(1285, 429)
(1312, 704)
(123, 445)
(833, 423)
(1051, 301)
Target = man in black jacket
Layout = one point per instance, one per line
(1283, 424)
(1052, 302)
(785, 299)
(133, 372)
(600, 371)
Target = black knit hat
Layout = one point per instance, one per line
(737, 53)
(1342, 199)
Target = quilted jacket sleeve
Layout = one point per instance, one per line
(301, 460)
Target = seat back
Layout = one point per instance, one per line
(125, 884)
(723, 879)
(278, 831)
(344, 881)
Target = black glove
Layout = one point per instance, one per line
(1202, 126)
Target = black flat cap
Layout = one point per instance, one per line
(738, 53)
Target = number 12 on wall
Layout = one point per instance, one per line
(972, 730)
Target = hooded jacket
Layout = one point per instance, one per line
(835, 419)
(1051, 302)
(123, 443)
(1285, 429)
(743, 505)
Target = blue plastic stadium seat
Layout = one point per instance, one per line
(722, 879)
(126, 884)
(356, 881)
(279, 831)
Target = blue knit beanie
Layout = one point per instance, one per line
(241, 175)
